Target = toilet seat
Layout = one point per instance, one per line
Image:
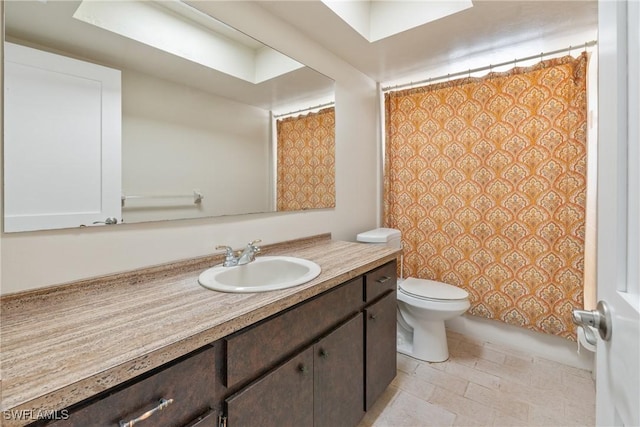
(431, 290)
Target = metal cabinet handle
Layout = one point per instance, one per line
(383, 279)
(324, 353)
(163, 404)
(373, 316)
(303, 369)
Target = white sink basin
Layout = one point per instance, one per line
(266, 273)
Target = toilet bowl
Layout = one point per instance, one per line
(423, 307)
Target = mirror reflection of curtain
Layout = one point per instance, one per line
(486, 179)
(306, 161)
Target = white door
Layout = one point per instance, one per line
(62, 138)
(618, 258)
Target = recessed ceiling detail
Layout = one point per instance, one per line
(376, 20)
(177, 28)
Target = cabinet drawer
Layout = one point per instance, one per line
(189, 384)
(380, 280)
(251, 352)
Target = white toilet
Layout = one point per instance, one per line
(423, 306)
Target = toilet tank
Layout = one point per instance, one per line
(382, 236)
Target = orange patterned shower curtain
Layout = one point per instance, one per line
(306, 161)
(486, 179)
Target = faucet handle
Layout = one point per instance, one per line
(228, 250)
(252, 246)
(230, 259)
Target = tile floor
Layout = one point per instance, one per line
(484, 384)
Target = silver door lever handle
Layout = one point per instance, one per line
(599, 319)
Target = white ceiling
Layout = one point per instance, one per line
(486, 27)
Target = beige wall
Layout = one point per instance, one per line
(175, 140)
(37, 259)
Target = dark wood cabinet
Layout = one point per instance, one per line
(177, 395)
(380, 343)
(281, 398)
(321, 386)
(380, 281)
(354, 358)
(256, 349)
(339, 377)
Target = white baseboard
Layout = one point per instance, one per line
(546, 346)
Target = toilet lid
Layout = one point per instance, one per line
(430, 289)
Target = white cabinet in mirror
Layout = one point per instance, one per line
(62, 141)
(188, 124)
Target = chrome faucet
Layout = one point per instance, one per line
(249, 253)
(244, 257)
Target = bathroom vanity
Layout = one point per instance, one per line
(315, 355)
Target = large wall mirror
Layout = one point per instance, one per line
(197, 118)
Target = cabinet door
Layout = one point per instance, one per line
(339, 376)
(62, 143)
(173, 397)
(281, 398)
(380, 341)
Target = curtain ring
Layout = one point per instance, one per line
(585, 47)
(570, 47)
(515, 62)
(469, 73)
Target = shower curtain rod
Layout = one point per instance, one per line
(328, 104)
(489, 67)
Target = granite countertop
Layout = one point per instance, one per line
(63, 344)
